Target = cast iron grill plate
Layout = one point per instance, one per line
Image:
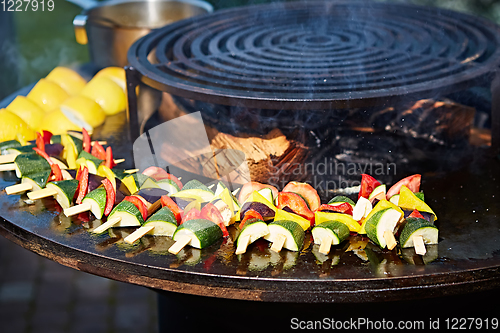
(318, 54)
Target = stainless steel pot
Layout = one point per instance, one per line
(111, 27)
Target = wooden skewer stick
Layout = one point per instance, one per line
(7, 158)
(66, 175)
(8, 167)
(418, 244)
(243, 244)
(18, 188)
(389, 239)
(130, 239)
(180, 244)
(326, 244)
(119, 160)
(83, 207)
(58, 162)
(100, 142)
(154, 207)
(278, 243)
(43, 193)
(108, 224)
(130, 171)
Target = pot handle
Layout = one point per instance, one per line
(79, 23)
(84, 4)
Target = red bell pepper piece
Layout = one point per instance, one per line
(306, 191)
(84, 217)
(56, 172)
(250, 214)
(43, 154)
(86, 140)
(344, 208)
(158, 173)
(139, 204)
(47, 135)
(83, 186)
(79, 173)
(191, 215)
(368, 184)
(110, 196)
(166, 201)
(40, 144)
(416, 213)
(261, 245)
(296, 204)
(108, 158)
(98, 151)
(174, 179)
(250, 187)
(412, 182)
(210, 212)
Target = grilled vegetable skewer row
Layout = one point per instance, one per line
(165, 221)
(146, 201)
(38, 180)
(25, 164)
(54, 149)
(65, 191)
(282, 232)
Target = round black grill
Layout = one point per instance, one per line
(318, 54)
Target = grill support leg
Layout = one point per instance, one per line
(132, 105)
(190, 313)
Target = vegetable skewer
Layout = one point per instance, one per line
(416, 233)
(31, 182)
(125, 214)
(252, 228)
(146, 201)
(329, 233)
(63, 191)
(161, 223)
(198, 233)
(287, 234)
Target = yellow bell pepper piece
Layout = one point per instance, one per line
(284, 215)
(408, 200)
(352, 224)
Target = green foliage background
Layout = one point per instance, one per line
(44, 40)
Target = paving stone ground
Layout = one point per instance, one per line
(39, 295)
